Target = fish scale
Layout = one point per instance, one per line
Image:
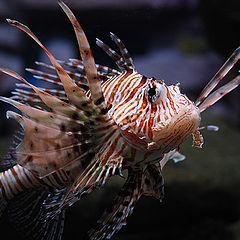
(92, 124)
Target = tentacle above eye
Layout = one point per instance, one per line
(115, 56)
(126, 56)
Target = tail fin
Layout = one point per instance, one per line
(7, 162)
(26, 212)
(3, 204)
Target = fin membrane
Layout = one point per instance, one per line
(152, 182)
(26, 215)
(148, 182)
(9, 160)
(116, 215)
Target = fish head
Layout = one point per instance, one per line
(157, 117)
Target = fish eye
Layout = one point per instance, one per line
(153, 93)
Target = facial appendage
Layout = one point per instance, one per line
(162, 118)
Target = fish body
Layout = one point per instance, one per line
(102, 121)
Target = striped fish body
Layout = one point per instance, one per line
(17, 179)
(99, 123)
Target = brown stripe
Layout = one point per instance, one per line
(117, 81)
(15, 175)
(171, 101)
(3, 192)
(49, 178)
(112, 149)
(28, 178)
(57, 179)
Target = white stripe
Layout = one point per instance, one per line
(22, 176)
(12, 181)
(8, 193)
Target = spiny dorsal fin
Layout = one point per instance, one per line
(88, 60)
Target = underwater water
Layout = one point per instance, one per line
(178, 43)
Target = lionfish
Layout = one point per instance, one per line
(94, 124)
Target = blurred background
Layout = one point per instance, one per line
(183, 41)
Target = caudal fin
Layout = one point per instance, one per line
(26, 212)
(7, 162)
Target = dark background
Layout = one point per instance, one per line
(178, 41)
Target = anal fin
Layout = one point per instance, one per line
(116, 215)
(139, 182)
(152, 182)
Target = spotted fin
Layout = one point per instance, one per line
(48, 119)
(65, 122)
(45, 149)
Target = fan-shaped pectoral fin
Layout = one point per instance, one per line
(45, 150)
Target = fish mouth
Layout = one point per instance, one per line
(171, 134)
(166, 135)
